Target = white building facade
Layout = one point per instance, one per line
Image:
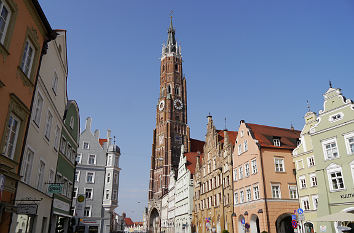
(171, 204)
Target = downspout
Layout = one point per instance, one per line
(264, 188)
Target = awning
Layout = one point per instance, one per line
(341, 216)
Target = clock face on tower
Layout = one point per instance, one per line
(178, 104)
(161, 105)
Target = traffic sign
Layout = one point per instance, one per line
(300, 211)
(293, 217)
(294, 224)
(301, 217)
(243, 221)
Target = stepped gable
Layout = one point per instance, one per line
(265, 135)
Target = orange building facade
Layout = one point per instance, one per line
(265, 192)
(24, 30)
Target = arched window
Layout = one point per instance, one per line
(169, 89)
(176, 67)
(177, 90)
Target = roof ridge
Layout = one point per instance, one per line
(274, 127)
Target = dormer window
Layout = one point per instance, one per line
(276, 141)
(336, 117)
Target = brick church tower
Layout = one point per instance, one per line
(171, 124)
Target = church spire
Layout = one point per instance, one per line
(171, 47)
(171, 40)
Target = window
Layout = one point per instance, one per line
(176, 90)
(27, 58)
(279, 165)
(248, 194)
(349, 143)
(75, 192)
(254, 166)
(169, 89)
(239, 149)
(79, 158)
(336, 179)
(234, 174)
(315, 201)
(56, 138)
(48, 125)
(241, 172)
(302, 180)
(51, 176)
(115, 195)
(247, 169)
(116, 161)
(27, 166)
(38, 109)
(236, 198)
(55, 83)
(40, 175)
(109, 160)
(86, 146)
(87, 211)
(305, 203)
(245, 146)
(313, 179)
(92, 159)
(311, 161)
(5, 15)
(77, 176)
(292, 192)
(242, 197)
(108, 177)
(12, 129)
(276, 141)
(89, 193)
(115, 181)
(299, 164)
(276, 191)
(330, 149)
(241, 133)
(63, 145)
(255, 192)
(65, 186)
(90, 177)
(71, 122)
(107, 194)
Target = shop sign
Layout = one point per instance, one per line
(27, 209)
(55, 188)
(348, 195)
(87, 221)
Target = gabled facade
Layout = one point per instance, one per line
(264, 179)
(24, 31)
(333, 146)
(171, 203)
(213, 206)
(97, 178)
(305, 165)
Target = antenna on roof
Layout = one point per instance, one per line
(308, 106)
(291, 126)
(114, 140)
(225, 124)
(330, 83)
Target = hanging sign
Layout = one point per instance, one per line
(27, 209)
(55, 188)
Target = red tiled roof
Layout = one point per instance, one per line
(197, 145)
(102, 140)
(138, 223)
(265, 135)
(192, 160)
(128, 222)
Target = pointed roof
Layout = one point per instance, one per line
(171, 40)
(128, 222)
(265, 135)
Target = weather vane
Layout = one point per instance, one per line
(171, 13)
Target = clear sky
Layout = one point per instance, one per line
(252, 60)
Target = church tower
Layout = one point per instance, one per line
(171, 118)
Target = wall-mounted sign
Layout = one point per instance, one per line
(80, 206)
(55, 188)
(323, 228)
(294, 224)
(27, 209)
(348, 195)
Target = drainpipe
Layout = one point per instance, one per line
(264, 188)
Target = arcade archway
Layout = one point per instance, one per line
(154, 221)
(283, 224)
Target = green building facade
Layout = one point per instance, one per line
(333, 147)
(66, 168)
(307, 185)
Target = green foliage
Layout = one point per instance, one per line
(225, 231)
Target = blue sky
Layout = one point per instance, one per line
(251, 60)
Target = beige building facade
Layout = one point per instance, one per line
(213, 203)
(265, 193)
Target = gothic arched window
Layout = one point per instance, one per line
(169, 89)
(177, 90)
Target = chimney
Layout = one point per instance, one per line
(109, 137)
(97, 134)
(88, 123)
(226, 137)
